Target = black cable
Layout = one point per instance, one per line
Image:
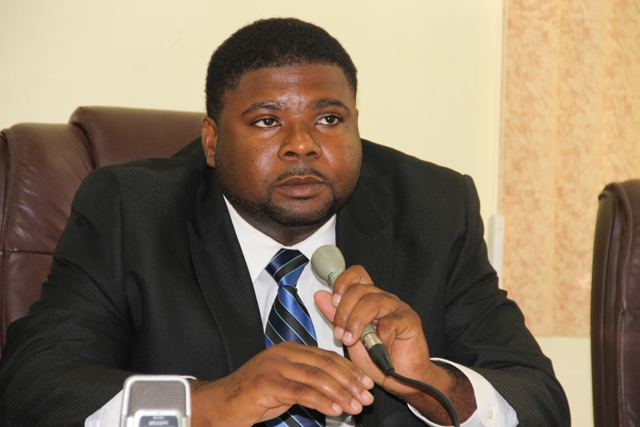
(380, 357)
(430, 390)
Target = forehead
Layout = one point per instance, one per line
(291, 85)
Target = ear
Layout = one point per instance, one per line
(209, 140)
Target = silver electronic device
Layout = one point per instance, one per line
(156, 401)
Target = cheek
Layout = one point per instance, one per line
(346, 164)
(255, 171)
(261, 162)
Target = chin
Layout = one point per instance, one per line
(297, 220)
(294, 216)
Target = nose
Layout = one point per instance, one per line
(300, 141)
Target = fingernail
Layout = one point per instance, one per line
(367, 397)
(338, 332)
(335, 299)
(347, 337)
(367, 382)
(356, 406)
(337, 408)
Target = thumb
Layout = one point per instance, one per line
(323, 300)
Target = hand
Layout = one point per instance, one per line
(282, 375)
(355, 303)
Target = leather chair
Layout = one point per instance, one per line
(42, 165)
(615, 307)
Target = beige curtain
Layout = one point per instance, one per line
(571, 125)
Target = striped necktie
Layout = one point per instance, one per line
(289, 321)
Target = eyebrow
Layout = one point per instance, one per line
(313, 105)
(268, 105)
(327, 102)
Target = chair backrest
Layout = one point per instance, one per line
(42, 165)
(615, 307)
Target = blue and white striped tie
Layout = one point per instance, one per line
(289, 321)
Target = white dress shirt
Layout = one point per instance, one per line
(258, 249)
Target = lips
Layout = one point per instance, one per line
(300, 186)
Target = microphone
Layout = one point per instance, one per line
(156, 400)
(328, 263)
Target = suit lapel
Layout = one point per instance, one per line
(223, 275)
(365, 237)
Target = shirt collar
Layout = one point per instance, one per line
(258, 248)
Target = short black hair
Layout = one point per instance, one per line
(266, 43)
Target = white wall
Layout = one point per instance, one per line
(429, 71)
(571, 359)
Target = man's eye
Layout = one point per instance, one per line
(329, 120)
(266, 123)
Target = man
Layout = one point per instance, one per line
(165, 268)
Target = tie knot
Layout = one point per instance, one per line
(286, 267)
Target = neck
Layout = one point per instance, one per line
(287, 236)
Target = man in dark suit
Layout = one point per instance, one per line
(160, 269)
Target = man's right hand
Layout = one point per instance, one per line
(281, 376)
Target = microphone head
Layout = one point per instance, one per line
(327, 261)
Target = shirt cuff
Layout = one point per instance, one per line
(107, 416)
(492, 410)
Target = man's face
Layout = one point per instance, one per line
(286, 147)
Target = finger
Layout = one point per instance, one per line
(361, 305)
(344, 316)
(352, 275)
(318, 391)
(402, 323)
(323, 301)
(292, 392)
(402, 330)
(333, 364)
(328, 373)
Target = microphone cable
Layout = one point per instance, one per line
(437, 394)
(380, 357)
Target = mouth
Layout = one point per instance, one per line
(300, 186)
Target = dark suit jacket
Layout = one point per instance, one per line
(148, 277)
